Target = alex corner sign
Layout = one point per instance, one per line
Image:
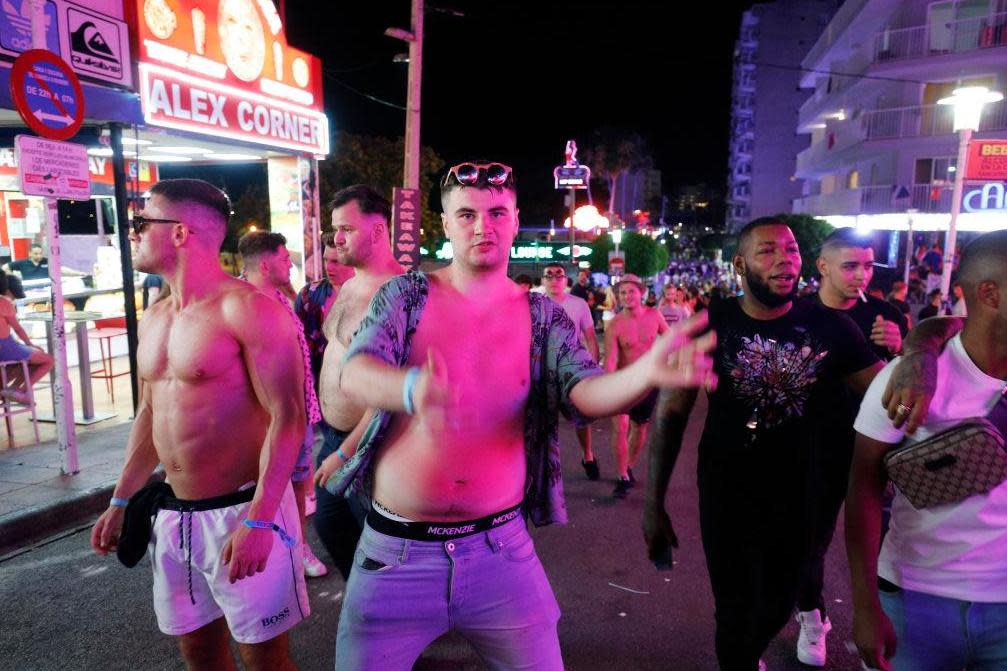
(406, 227)
(52, 169)
(987, 160)
(225, 69)
(47, 94)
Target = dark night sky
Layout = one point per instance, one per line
(514, 79)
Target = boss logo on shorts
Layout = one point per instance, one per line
(276, 619)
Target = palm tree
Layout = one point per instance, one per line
(613, 151)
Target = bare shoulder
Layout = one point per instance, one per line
(248, 311)
(6, 307)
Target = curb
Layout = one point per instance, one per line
(29, 526)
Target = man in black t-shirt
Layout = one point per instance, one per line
(781, 364)
(35, 267)
(582, 289)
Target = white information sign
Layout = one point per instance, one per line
(52, 169)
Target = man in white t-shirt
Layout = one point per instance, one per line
(577, 309)
(936, 597)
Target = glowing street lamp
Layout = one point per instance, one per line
(616, 234)
(968, 104)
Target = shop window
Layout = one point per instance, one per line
(853, 179)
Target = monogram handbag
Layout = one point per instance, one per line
(962, 461)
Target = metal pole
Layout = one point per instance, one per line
(950, 240)
(62, 391)
(909, 247)
(411, 169)
(573, 231)
(125, 256)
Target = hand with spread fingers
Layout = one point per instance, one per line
(680, 359)
(910, 390)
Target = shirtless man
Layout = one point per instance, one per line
(222, 407)
(267, 266)
(465, 439)
(630, 335)
(361, 241)
(554, 282)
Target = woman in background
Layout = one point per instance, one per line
(39, 361)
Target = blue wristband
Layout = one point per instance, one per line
(342, 455)
(118, 502)
(287, 539)
(407, 390)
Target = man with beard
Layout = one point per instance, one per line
(781, 364)
(846, 264)
(362, 241)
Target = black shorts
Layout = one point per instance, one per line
(644, 410)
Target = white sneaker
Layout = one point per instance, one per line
(313, 566)
(762, 665)
(811, 642)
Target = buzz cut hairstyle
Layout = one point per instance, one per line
(843, 238)
(985, 258)
(746, 232)
(256, 243)
(200, 192)
(367, 198)
(449, 185)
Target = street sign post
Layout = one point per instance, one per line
(47, 94)
(572, 176)
(406, 227)
(56, 170)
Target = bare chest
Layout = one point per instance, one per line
(487, 352)
(636, 335)
(186, 347)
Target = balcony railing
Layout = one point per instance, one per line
(935, 40)
(877, 200)
(926, 120)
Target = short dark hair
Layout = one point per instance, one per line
(524, 279)
(367, 199)
(186, 190)
(328, 239)
(554, 264)
(842, 238)
(985, 258)
(256, 243)
(746, 232)
(449, 185)
(35, 245)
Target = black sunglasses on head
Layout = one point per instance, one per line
(468, 174)
(139, 222)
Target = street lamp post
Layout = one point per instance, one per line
(968, 104)
(411, 167)
(616, 234)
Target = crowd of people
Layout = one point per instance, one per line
(435, 456)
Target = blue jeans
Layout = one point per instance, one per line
(337, 519)
(489, 587)
(939, 634)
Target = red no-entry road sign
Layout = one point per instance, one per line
(47, 94)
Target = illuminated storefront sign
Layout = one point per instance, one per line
(525, 252)
(225, 69)
(988, 198)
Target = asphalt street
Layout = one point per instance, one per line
(66, 608)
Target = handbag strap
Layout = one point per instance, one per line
(998, 415)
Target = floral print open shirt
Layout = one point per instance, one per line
(558, 362)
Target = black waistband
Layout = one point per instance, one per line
(439, 531)
(212, 503)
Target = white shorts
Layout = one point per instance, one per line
(191, 587)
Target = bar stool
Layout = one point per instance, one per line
(104, 330)
(9, 409)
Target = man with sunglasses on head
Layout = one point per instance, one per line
(469, 373)
(361, 239)
(554, 283)
(223, 409)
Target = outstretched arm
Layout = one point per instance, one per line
(911, 386)
(677, 359)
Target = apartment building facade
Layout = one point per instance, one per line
(765, 96)
(882, 150)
